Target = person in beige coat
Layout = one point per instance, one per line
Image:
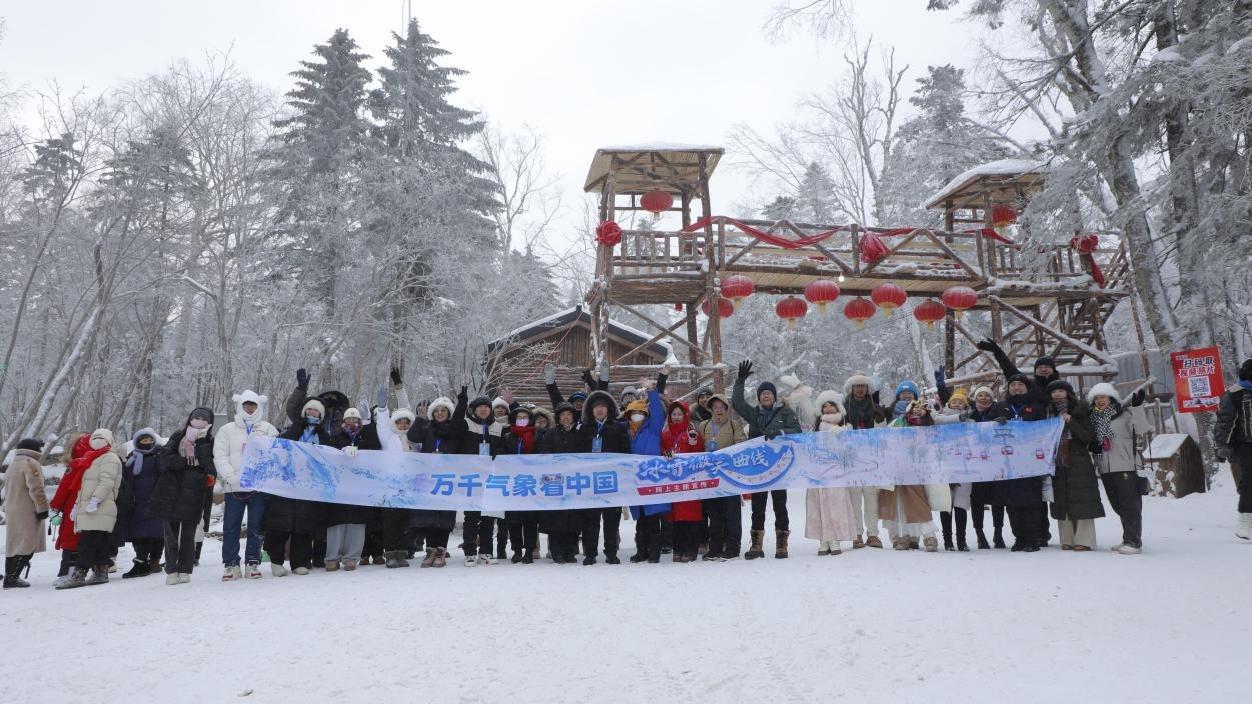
(96, 510)
(828, 516)
(25, 508)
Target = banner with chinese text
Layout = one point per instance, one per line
(957, 453)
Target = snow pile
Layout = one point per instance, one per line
(1002, 167)
(869, 625)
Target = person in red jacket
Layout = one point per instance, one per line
(680, 437)
(63, 502)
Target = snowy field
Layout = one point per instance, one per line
(1171, 625)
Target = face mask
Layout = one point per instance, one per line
(145, 445)
(637, 417)
(312, 420)
(98, 444)
(522, 422)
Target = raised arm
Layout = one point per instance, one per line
(549, 383)
(737, 400)
(1006, 364)
(300, 394)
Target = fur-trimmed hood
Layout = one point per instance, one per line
(1103, 389)
(597, 397)
(441, 402)
(248, 395)
(858, 379)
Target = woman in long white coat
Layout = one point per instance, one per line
(828, 511)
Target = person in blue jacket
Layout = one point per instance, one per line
(645, 419)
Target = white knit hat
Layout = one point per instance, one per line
(1103, 389)
(352, 414)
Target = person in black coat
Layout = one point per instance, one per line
(1076, 484)
(480, 435)
(295, 521)
(602, 431)
(439, 433)
(1023, 497)
(145, 532)
(522, 439)
(1037, 385)
(187, 473)
(992, 493)
(346, 523)
(562, 525)
(334, 403)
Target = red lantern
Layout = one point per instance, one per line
(821, 292)
(791, 309)
(930, 312)
(656, 202)
(725, 308)
(858, 311)
(960, 299)
(736, 288)
(888, 296)
(608, 234)
(1002, 215)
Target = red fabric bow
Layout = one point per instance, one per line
(608, 234)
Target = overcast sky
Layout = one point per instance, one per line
(584, 74)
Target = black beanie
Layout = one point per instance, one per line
(1245, 370)
(1060, 385)
(30, 444)
(1045, 361)
(766, 386)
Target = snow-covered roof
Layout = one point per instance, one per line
(568, 315)
(663, 166)
(993, 169)
(1164, 446)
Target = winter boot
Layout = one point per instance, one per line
(528, 557)
(641, 550)
(589, 561)
(13, 571)
(76, 578)
(823, 548)
(982, 539)
(915, 544)
(899, 543)
(873, 541)
(931, 544)
(857, 543)
(254, 571)
(441, 557)
(429, 560)
(517, 557)
(961, 545)
(1244, 531)
(99, 575)
(278, 570)
(780, 540)
(945, 522)
(610, 558)
(350, 565)
(171, 579)
(756, 550)
(139, 569)
(997, 539)
(332, 565)
(231, 574)
(154, 566)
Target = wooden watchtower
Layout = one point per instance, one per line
(1044, 303)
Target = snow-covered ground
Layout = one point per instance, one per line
(1171, 625)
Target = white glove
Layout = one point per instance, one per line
(92, 505)
(350, 450)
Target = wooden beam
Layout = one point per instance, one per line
(654, 324)
(1094, 353)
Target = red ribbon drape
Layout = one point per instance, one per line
(1085, 246)
(872, 246)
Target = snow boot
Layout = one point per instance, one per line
(254, 571)
(589, 561)
(961, 545)
(899, 543)
(517, 557)
(780, 544)
(76, 578)
(139, 569)
(231, 574)
(528, 557)
(1244, 531)
(154, 566)
(13, 572)
(332, 565)
(857, 543)
(641, 550)
(610, 558)
(982, 539)
(873, 542)
(350, 565)
(823, 548)
(756, 550)
(301, 570)
(998, 538)
(171, 579)
(99, 575)
(429, 560)
(278, 570)
(441, 557)
(931, 544)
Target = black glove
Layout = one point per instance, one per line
(745, 369)
(395, 377)
(987, 345)
(464, 394)
(939, 376)
(302, 379)
(1138, 398)
(41, 515)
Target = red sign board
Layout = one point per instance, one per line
(1198, 382)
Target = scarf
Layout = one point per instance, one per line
(1245, 385)
(187, 446)
(860, 412)
(525, 437)
(82, 463)
(1103, 421)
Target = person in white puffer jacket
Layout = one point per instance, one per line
(228, 447)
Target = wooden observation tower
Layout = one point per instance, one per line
(1051, 300)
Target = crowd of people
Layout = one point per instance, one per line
(157, 494)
